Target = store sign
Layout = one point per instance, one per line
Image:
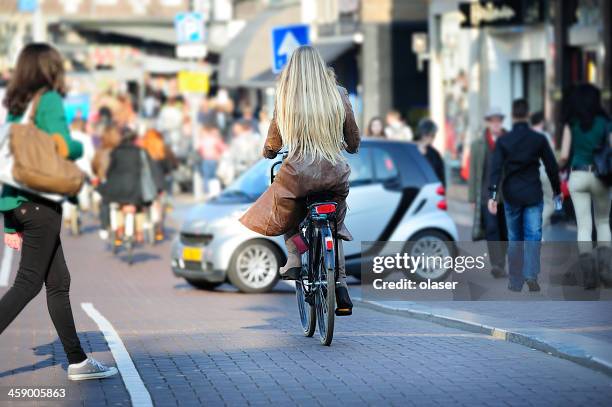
(77, 105)
(191, 51)
(193, 82)
(27, 6)
(501, 13)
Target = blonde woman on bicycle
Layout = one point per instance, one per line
(314, 121)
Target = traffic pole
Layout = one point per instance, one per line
(195, 100)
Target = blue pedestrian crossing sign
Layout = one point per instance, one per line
(189, 28)
(285, 40)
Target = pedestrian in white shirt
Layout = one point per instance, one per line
(396, 128)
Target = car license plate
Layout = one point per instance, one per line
(192, 254)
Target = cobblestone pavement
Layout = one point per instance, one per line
(589, 318)
(194, 347)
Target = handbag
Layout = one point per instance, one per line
(149, 189)
(602, 162)
(29, 160)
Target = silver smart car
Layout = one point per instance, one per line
(394, 196)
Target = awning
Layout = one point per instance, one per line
(250, 52)
(163, 65)
(330, 49)
(161, 31)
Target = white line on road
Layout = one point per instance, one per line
(5, 267)
(133, 382)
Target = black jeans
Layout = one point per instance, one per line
(496, 233)
(42, 261)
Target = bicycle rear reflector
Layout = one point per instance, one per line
(329, 243)
(325, 209)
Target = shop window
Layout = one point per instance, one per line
(528, 81)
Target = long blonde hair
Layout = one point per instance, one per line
(309, 109)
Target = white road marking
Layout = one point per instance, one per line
(5, 266)
(133, 382)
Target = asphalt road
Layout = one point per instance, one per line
(192, 347)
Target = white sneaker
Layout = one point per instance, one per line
(90, 369)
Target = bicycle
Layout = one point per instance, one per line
(315, 289)
(127, 239)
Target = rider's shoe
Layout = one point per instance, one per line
(291, 274)
(344, 305)
(292, 269)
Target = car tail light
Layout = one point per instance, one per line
(440, 190)
(325, 208)
(329, 244)
(442, 205)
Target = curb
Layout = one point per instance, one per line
(574, 354)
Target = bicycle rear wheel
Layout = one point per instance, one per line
(308, 315)
(325, 283)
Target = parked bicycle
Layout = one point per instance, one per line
(315, 288)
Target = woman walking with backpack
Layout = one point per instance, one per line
(32, 223)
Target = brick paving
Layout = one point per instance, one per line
(223, 348)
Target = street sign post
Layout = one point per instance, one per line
(189, 28)
(190, 44)
(285, 40)
(190, 35)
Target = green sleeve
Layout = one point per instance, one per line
(51, 118)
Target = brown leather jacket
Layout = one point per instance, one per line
(282, 207)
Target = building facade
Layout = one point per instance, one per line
(488, 53)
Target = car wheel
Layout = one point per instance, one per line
(429, 243)
(254, 267)
(202, 284)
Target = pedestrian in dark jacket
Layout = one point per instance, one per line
(130, 180)
(426, 132)
(124, 183)
(518, 156)
(123, 174)
(486, 225)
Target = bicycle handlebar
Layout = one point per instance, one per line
(276, 164)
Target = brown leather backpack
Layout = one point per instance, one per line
(37, 163)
